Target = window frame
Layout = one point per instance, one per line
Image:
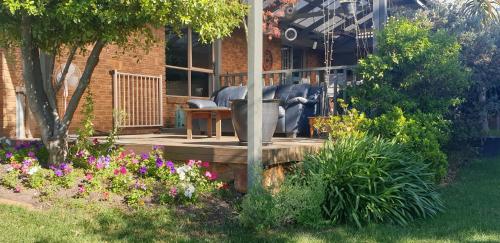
(190, 68)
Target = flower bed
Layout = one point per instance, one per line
(104, 170)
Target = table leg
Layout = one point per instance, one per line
(311, 128)
(189, 124)
(209, 126)
(218, 125)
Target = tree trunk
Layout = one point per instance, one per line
(483, 114)
(57, 146)
(42, 96)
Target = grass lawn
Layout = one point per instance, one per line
(472, 215)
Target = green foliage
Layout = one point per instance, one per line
(414, 68)
(38, 180)
(372, 180)
(256, 208)
(353, 123)
(296, 201)
(11, 179)
(422, 134)
(57, 24)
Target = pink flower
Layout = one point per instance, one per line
(173, 192)
(122, 155)
(81, 189)
(17, 189)
(135, 161)
(116, 171)
(205, 164)
(211, 175)
(89, 177)
(191, 162)
(123, 170)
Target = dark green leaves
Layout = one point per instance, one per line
(372, 180)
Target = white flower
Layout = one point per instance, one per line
(182, 172)
(33, 170)
(182, 175)
(9, 168)
(189, 190)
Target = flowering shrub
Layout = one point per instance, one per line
(104, 167)
(136, 177)
(21, 166)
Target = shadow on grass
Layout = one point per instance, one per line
(472, 215)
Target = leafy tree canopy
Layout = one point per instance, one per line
(414, 68)
(56, 23)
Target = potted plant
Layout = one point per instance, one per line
(239, 112)
(349, 7)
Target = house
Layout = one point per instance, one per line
(150, 85)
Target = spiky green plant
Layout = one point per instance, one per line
(372, 180)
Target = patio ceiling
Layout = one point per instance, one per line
(309, 20)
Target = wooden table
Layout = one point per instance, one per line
(206, 113)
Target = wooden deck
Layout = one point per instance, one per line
(226, 150)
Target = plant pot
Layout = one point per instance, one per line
(239, 111)
(349, 7)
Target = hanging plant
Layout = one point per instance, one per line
(272, 16)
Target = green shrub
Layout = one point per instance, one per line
(414, 68)
(422, 134)
(372, 180)
(296, 202)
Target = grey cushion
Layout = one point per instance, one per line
(281, 112)
(226, 94)
(196, 103)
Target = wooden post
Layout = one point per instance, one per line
(254, 40)
(217, 65)
(379, 17)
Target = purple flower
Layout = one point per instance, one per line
(31, 154)
(91, 160)
(159, 162)
(155, 147)
(143, 170)
(144, 156)
(107, 160)
(170, 164)
(80, 154)
(27, 162)
(58, 172)
(140, 185)
(8, 155)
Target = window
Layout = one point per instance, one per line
(189, 70)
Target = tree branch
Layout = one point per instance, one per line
(47, 62)
(92, 62)
(32, 74)
(71, 56)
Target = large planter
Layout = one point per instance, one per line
(349, 7)
(270, 111)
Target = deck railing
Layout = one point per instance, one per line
(339, 75)
(139, 97)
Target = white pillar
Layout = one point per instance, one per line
(255, 37)
(379, 17)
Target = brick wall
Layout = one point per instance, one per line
(234, 59)
(111, 58)
(11, 71)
